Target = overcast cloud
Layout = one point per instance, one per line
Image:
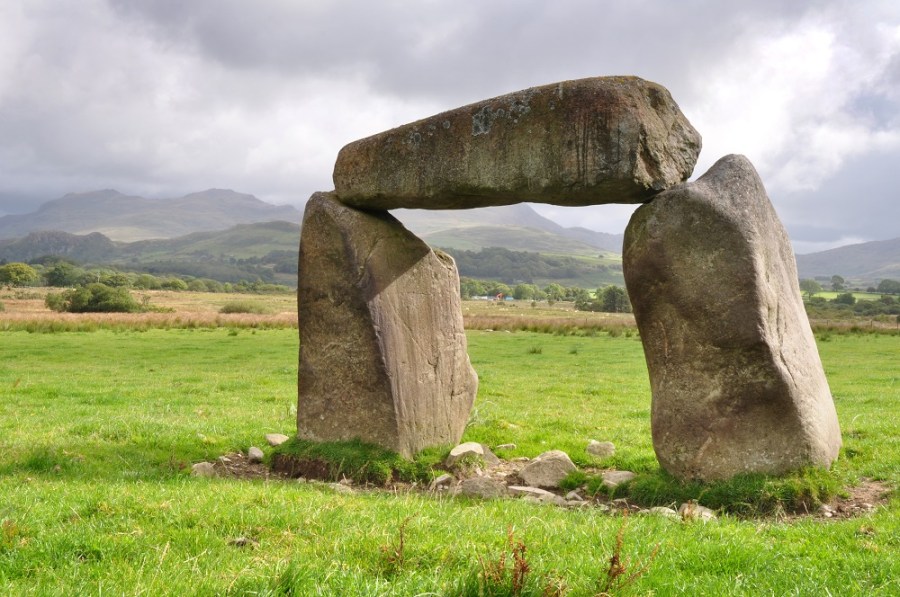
(164, 97)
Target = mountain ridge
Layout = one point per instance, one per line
(128, 218)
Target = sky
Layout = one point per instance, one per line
(161, 98)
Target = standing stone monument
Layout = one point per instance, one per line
(382, 346)
(737, 382)
(736, 379)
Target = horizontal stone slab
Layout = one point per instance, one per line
(583, 142)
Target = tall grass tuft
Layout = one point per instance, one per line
(244, 307)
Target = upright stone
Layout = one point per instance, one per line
(382, 347)
(737, 382)
(584, 142)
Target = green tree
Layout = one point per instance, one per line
(174, 284)
(846, 298)
(837, 283)
(555, 292)
(93, 298)
(524, 292)
(467, 288)
(63, 274)
(888, 286)
(614, 299)
(810, 287)
(17, 274)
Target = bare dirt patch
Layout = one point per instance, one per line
(859, 500)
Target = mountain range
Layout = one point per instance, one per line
(222, 225)
(129, 218)
(864, 263)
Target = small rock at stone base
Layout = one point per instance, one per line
(339, 487)
(203, 469)
(575, 495)
(254, 454)
(694, 511)
(276, 439)
(244, 542)
(471, 450)
(601, 449)
(540, 494)
(547, 470)
(613, 479)
(576, 504)
(506, 447)
(441, 482)
(224, 459)
(662, 511)
(482, 487)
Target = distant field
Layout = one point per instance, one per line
(97, 430)
(860, 296)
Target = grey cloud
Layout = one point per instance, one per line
(166, 97)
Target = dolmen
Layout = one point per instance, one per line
(737, 383)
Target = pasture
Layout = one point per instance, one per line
(99, 425)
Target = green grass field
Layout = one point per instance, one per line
(97, 431)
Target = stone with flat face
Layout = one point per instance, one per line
(737, 382)
(584, 142)
(382, 346)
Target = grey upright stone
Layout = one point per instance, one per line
(383, 350)
(737, 382)
(584, 142)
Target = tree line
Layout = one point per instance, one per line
(511, 267)
(61, 273)
(607, 299)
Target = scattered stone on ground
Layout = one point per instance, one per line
(441, 483)
(383, 357)
(255, 454)
(860, 499)
(547, 470)
(469, 454)
(600, 449)
(483, 487)
(583, 142)
(736, 378)
(613, 479)
(536, 493)
(339, 487)
(663, 511)
(203, 469)
(276, 439)
(693, 511)
(244, 542)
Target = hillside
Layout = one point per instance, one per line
(439, 226)
(508, 237)
(128, 218)
(864, 263)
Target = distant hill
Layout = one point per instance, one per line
(128, 218)
(93, 247)
(864, 263)
(266, 250)
(509, 237)
(452, 228)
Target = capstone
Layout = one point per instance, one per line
(583, 142)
